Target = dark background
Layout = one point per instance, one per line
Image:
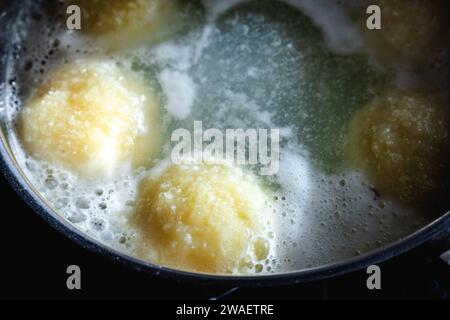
(34, 259)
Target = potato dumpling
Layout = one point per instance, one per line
(203, 217)
(92, 117)
(123, 22)
(402, 141)
(409, 31)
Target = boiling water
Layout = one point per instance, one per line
(255, 64)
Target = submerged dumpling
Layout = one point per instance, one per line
(409, 31)
(402, 141)
(123, 22)
(93, 118)
(203, 217)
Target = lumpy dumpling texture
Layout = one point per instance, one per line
(124, 22)
(206, 218)
(93, 118)
(402, 141)
(409, 31)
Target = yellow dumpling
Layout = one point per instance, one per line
(93, 118)
(207, 218)
(402, 141)
(124, 22)
(409, 31)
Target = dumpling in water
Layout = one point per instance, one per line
(402, 141)
(410, 31)
(210, 218)
(120, 23)
(92, 117)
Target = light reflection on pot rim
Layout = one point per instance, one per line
(20, 183)
(14, 176)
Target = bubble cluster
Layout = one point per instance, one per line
(242, 64)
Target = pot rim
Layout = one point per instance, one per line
(16, 178)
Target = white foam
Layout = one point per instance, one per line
(330, 15)
(180, 91)
(178, 56)
(340, 32)
(102, 208)
(217, 7)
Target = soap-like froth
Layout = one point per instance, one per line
(402, 141)
(93, 118)
(206, 218)
(322, 218)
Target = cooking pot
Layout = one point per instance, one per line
(11, 35)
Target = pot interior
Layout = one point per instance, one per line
(305, 68)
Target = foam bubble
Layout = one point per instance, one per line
(340, 32)
(233, 77)
(180, 91)
(218, 7)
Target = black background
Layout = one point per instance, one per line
(34, 259)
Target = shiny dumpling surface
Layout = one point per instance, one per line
(125, 22)
(92, 117)
(401, 140)
(203, 217)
